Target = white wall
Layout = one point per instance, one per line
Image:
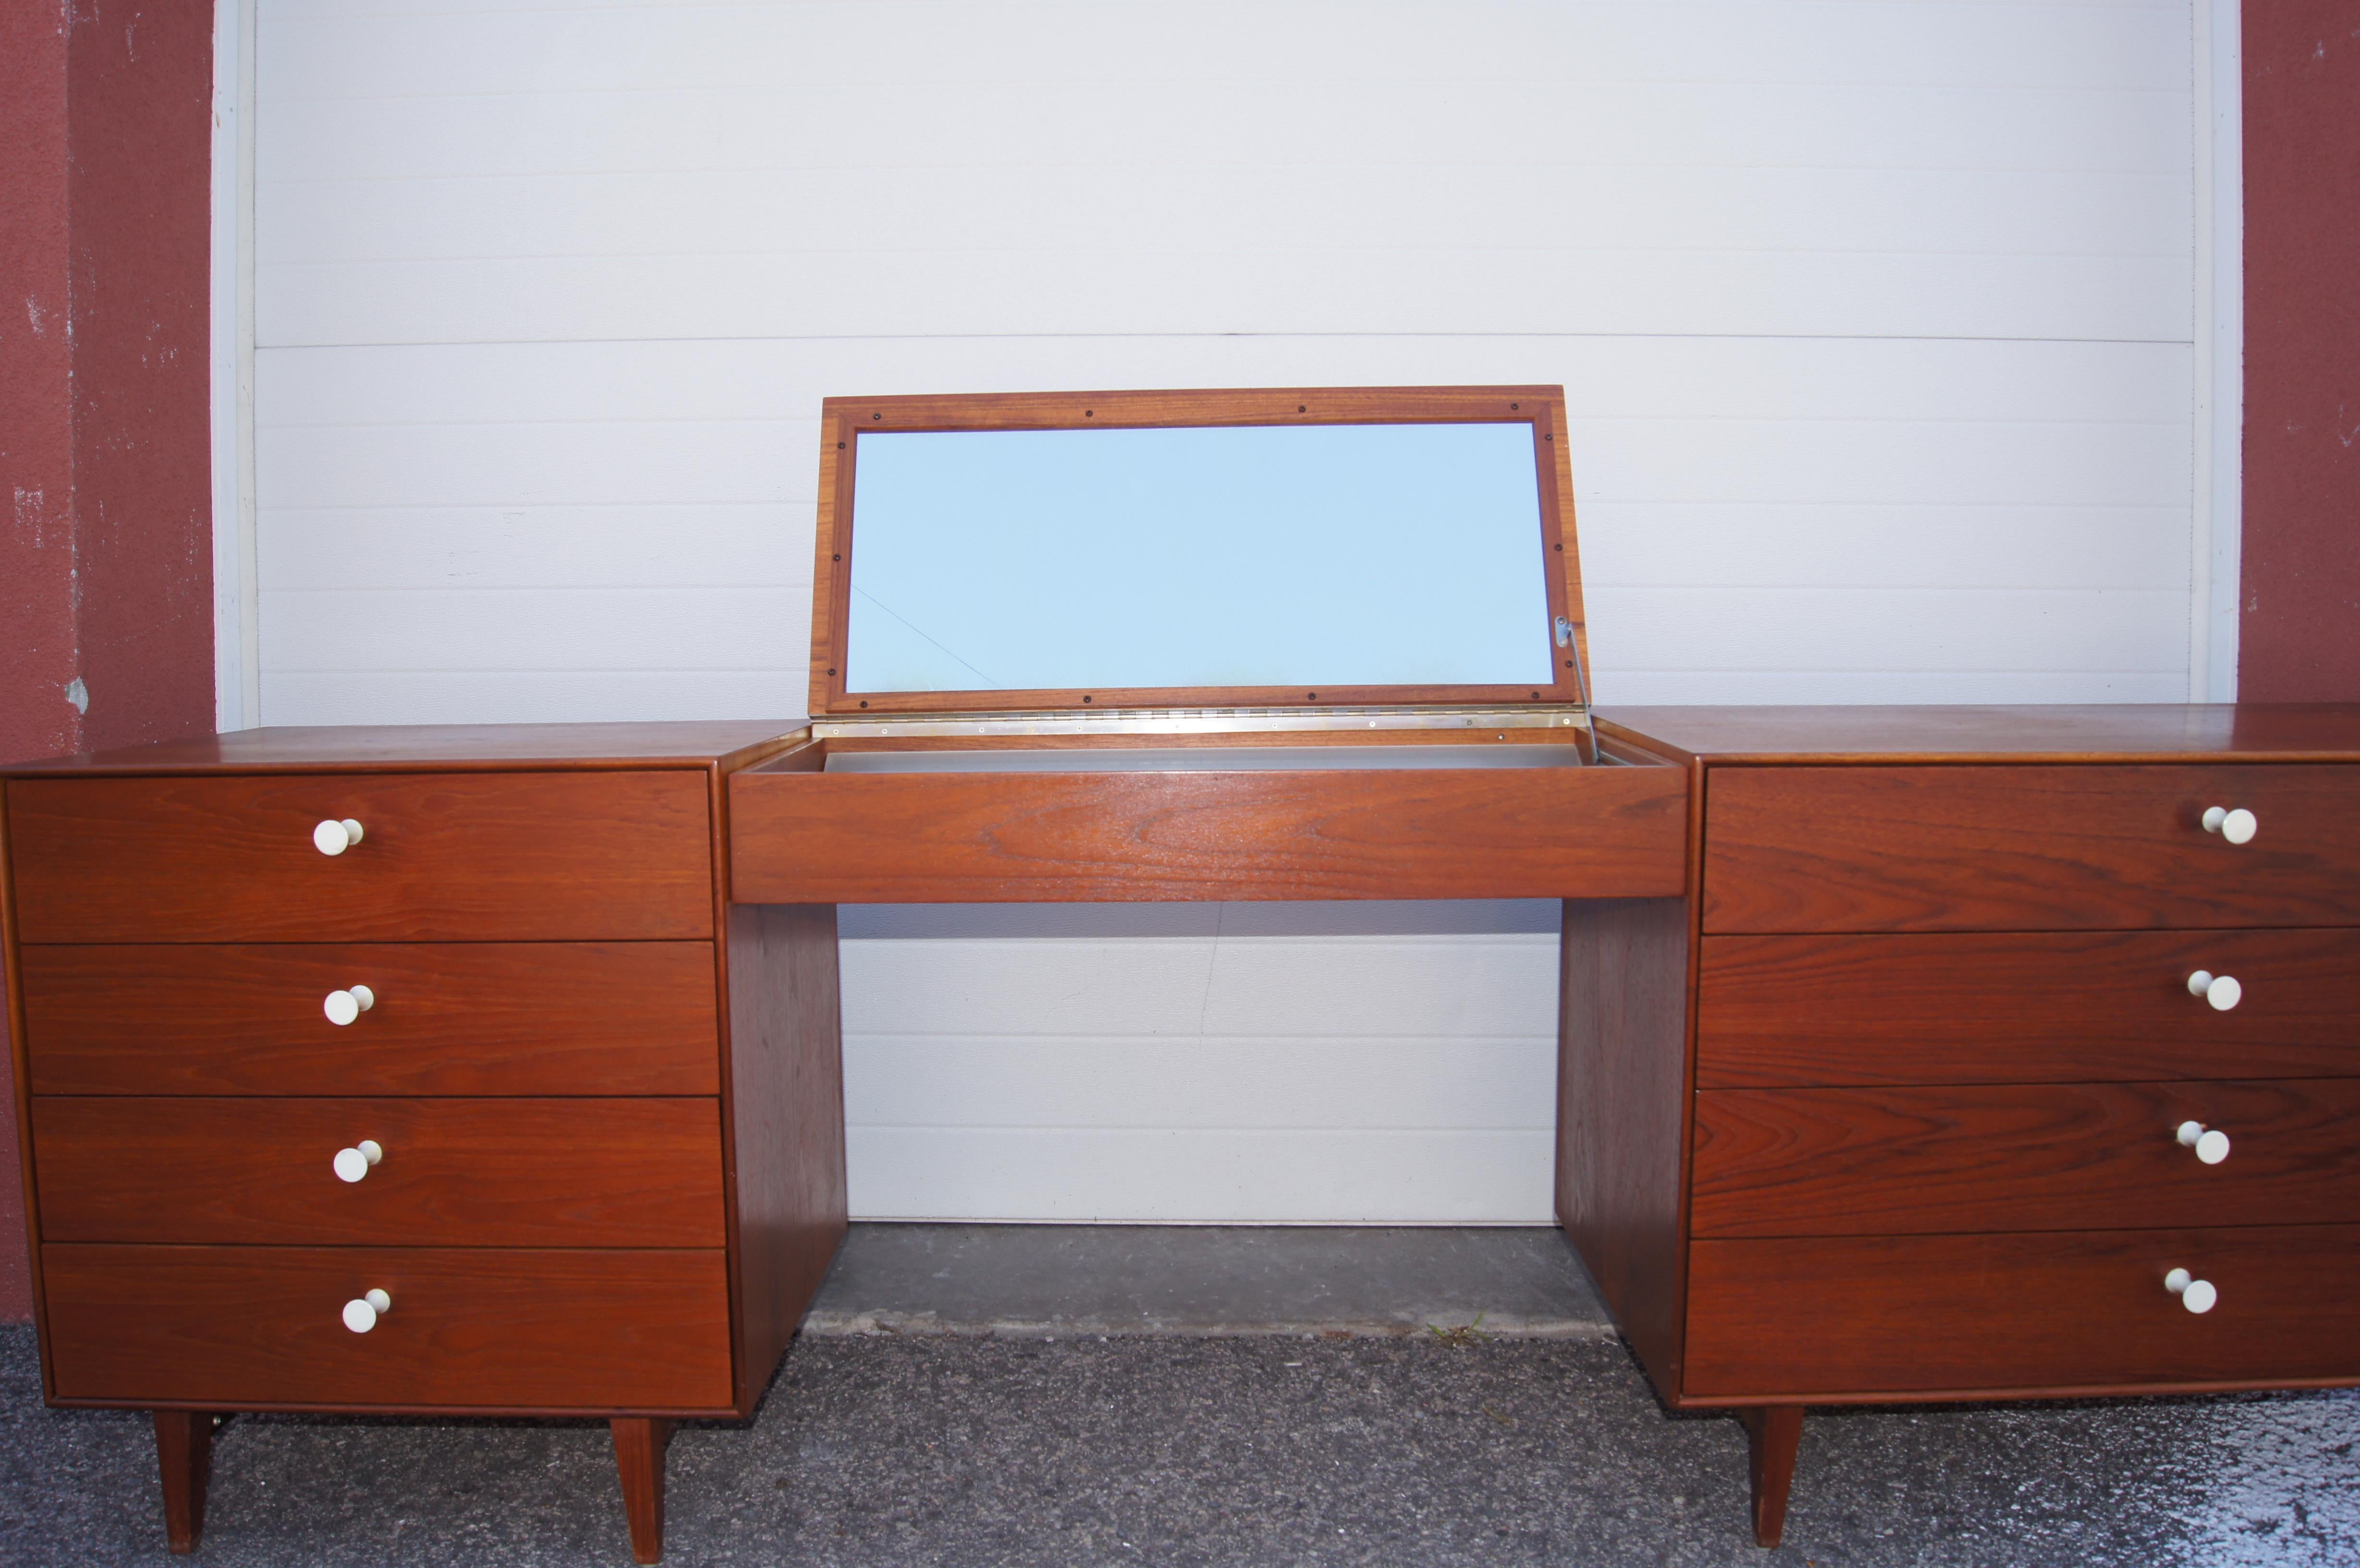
(236, 671)
(1877, 322)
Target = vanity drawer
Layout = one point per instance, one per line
(1937, 1315)
(2012, 1008)
(248, 1328)
(447, 1018)
(1865, 1162)
(802, 837)
(2027, 847)
(449, 857)
(546, 1172)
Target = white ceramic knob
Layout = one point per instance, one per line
(2237, 826)
(2196, 1295)
(362, 1312)
(343, 1007)
(2222, 990)
(336, 837)
(2211, 1146)
(352, 1164)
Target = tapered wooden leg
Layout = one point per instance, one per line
(1772, 1431)
(184, 1453)
(639, 1460)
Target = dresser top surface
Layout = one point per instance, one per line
(2056, 732)
(2250, 732)
(684, 744)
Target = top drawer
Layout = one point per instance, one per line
(447, 858)
(2028, 848)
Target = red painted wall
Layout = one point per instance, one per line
(2298, 633)
(107, 562)
(141, 119)
(36, 549)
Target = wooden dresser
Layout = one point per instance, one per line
(1995, 1052)
(404, 1070)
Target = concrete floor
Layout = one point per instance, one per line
(976, 1450)
(1033, 1280)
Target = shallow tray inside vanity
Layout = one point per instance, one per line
(1201, 760)
(1273, 643)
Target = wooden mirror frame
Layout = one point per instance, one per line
(843, 420)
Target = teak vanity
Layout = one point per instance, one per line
(1906, 1054)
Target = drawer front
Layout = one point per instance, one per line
(1829, 1317)
(447, 1018)
(1874, 1161)
(2028, 848)
(447, 858)
(1492, 832)
(452, 1172)
(2007, 1008)
(241, 1328)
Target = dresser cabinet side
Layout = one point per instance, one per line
(785, 1119)
(1622, 1106)
(531, 836)
(782, 1107)
(2088, 851)
(20, 1074)
(1939, 901)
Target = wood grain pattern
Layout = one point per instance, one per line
(492, 856)
(1621, 1054)
(184, 1459)
(1772, 1433)
(12, 999)
(450, 1019)
(2057, 732)
(1212, 407)
(438, 748)
(1439, 833)
(1868, 1161)
(787, 1102)
(2019, 1008)
(639, 1443)
(1826, 1318)
(1564, 541)
(2030, 847)
(261, 1327)
(831, 623)
(569, 1172)
(843, 420)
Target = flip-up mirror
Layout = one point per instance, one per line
(1321, 555)
(1302, 548)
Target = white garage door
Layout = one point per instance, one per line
(1874, 319)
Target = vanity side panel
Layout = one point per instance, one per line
(1623, 1041)
(786, 1074)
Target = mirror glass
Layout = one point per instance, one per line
(1298, 555)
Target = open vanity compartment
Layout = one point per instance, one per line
(1268, 644)
(1011, 821)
